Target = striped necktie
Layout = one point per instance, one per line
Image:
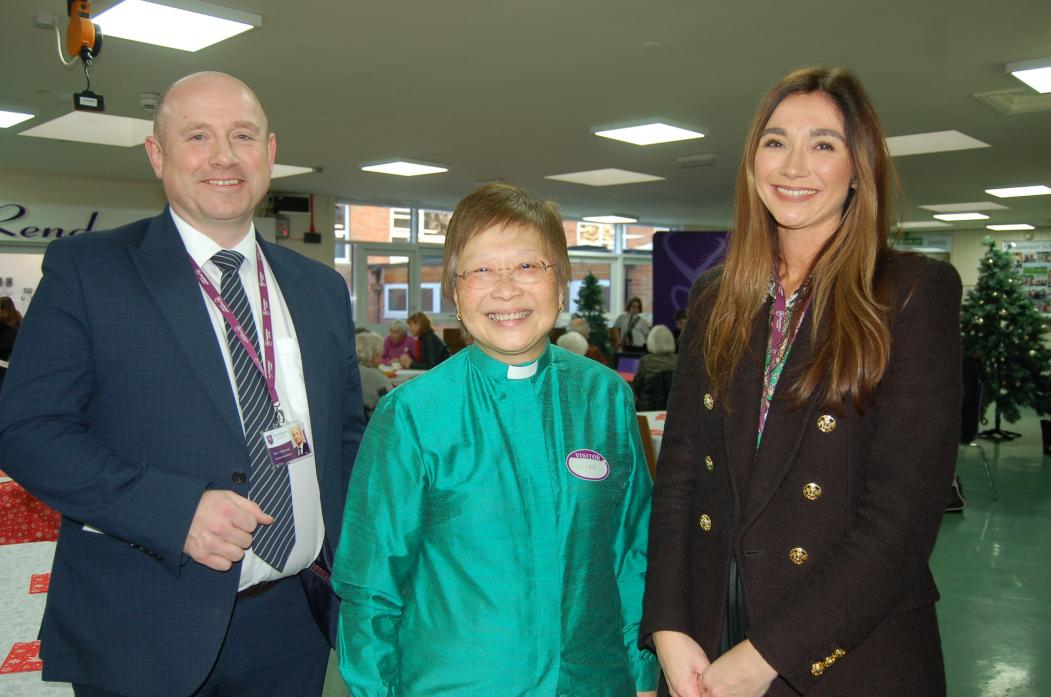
(269, 486)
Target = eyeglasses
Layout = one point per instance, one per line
(524, 272)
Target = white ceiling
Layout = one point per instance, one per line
(495, 89)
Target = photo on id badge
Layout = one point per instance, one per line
(287, 443)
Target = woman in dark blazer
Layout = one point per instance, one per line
(812, 428)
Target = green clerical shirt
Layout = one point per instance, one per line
(494, 539)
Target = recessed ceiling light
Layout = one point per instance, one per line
(403, 168)
(1013, 226)
(11, 118)
(964, 207)
(1035, 73)
(609, 219)
(938, 141)
(953, 217)
(1016, 191)
(289, 171)
(605, 177)
(649, 133)
(187, 25)
(91, 127)
(922, 224)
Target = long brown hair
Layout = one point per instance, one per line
(9, 315)
(853, 345)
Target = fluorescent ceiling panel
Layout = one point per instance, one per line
(955, 217)
(923, 224)
(605, 177)
(609, 219)
(1016, 191)
(289, 171)
(404, 169)
(964, 207)
(1013, 226)
(11, 118)
(187, 25)
(1035, 73)
(92, 127)
(938, 141)
(649, 133)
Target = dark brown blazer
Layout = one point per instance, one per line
(832, 520)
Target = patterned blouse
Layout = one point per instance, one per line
(781, 336)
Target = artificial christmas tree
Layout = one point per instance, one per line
(589, 306)
(1003, 331)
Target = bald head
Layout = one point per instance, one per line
(212, 148)
(208, 80)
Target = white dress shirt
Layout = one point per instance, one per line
(291, 389)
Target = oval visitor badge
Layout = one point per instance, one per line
(587, 464)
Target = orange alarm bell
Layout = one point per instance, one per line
(83, 37)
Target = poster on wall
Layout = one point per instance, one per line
(1033, 261)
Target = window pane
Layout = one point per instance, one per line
(593, 235)
(580, 269)
(638, 283)
(388, 288)
(378, 223)
(640, 237)
(433, 225)
(430, 286)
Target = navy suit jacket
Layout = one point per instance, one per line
(118, 412)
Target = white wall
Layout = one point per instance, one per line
(36, 188)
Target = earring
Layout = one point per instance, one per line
(458, 316)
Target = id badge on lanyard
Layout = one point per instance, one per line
(286, 441)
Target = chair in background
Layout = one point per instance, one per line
(453, 339)
(647, 444)
(971, 414)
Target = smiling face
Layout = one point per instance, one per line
(509, 321)
(802, 166)
(213, 153)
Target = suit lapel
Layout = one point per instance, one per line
(745, 392)
(165, 268)
(301, 299)
(785, 427)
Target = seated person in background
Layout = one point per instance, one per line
(651, 391)
(581, 326)
(397, 343)
(571, 341)
(633, 328)
(429, 350)
(374, 382)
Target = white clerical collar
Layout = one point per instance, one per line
(201, 247)
(521, 372)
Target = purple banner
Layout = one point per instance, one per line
(678, 259)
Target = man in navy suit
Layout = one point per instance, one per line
(154, 362)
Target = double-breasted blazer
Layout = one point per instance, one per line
(118, 412)
(832, 519)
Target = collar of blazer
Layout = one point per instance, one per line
(168, 276)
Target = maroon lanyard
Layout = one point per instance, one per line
(268, 369)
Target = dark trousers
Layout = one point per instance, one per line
(273, 647)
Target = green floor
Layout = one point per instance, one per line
(993, 565)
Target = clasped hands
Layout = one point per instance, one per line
(222, 529)
(740, 672)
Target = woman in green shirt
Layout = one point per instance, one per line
(494, 539)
